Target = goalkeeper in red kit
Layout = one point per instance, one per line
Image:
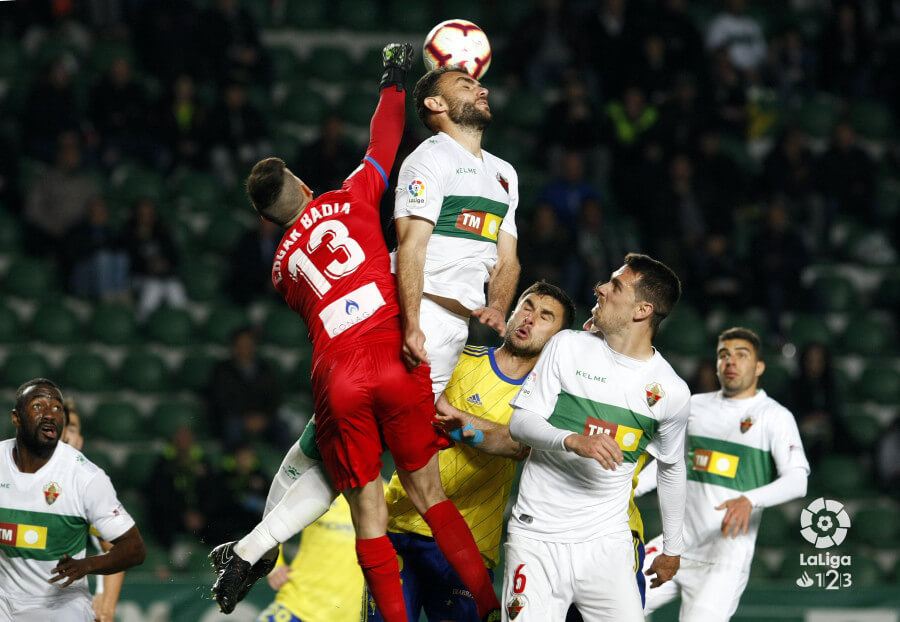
(332, 267)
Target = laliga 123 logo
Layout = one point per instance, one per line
(824, 523)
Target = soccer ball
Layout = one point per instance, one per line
(458, 42)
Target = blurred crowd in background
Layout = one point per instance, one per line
(751, 145)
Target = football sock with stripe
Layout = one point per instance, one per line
(378, 561)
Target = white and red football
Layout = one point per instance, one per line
(458, 42)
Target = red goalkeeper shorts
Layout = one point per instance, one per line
(367, 399)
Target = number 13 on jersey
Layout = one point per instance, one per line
(319, 280)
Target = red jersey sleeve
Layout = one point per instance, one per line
(370, 180)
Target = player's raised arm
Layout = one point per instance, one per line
(386, 127)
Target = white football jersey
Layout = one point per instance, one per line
(583, 385)
(47, 514)
(733, 445)
(469, 200)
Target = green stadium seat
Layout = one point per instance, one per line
(113, 325)
(470, 10)
(10, 231)
(103, 460)
(683, 332)
(879, 383)
(864, 430)
(357, 107)
(139, 467)
(30, 278)
(104, 52)
(222, 322)
(887, 296)
(872, 119)
(836, 293)
(119, 422)
(878, 527)
(285, 63)
(169, 415)
(195, 372)
(652, 520)
(309, 14)
(132, 183)
(360, 15)
(776, 380)
(299, 405)
(330, 63)
(866, 571)
(774, 530)
(411, 16)
(56, 324)
(202, 279)
(144, 372)
(86, 371)
(199, 193)
(172, 327)
(10, 325)
(818, 115)
(842, 476)
(868, 335)
(304, 106)
(370, 66)
(807, 329)
(301, 376)
(759, 570)
(887, 199)
(790, 569)
(283, 327)
(524, 112)
(10, 57)
(135, 503)
(20, 367)
(753, 320)
(222, 235)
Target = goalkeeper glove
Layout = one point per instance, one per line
(397, 59)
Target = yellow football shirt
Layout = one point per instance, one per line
(326, 583)
(479, 484)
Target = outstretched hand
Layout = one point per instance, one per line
(491, 317)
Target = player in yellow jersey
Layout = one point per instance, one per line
(477, 472)
(323, 582)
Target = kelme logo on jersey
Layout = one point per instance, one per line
(746, 424)
(654, 393)
(715, 462)
(23, 536)
(51, 492)
(416, 190)
(627, 438)
(480, 223)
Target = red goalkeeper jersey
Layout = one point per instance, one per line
(332, 266)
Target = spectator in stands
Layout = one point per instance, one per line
(547, 243)
(10, 197)
(740, 34)
(567, 192)
(238, 132)
(846, 175)
(244, 494)
(600, 243)
(51, 111)
(720, 280)
(153, 259)
(327, 158)
(185, 479)
(548, 39)
(778, 255)
(790, 64)
(817, 404)
(683, 114)
(654, 69)
(633, 133)
(59, 198)
(719, 180)
(572, 123)
(99, 264)
(230, 44)
(615, 34)
(250, 276)
(120, 112)
(845, 53)
(244, 394)
(683, 41)
(165, 35)
(728, 95)
(183, 122)
(789, 168)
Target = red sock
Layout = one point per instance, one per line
(452, 535)
(378, 561)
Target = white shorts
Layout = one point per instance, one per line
(445, 337)
(64, 610)
(542, 579)
(709, 592)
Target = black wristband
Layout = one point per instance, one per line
(393, 76)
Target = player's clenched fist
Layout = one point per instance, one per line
(397, 59)
(601, 447)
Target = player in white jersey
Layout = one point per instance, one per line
(744, 454)
(594, 403)
(49, 496)
(454, 209)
